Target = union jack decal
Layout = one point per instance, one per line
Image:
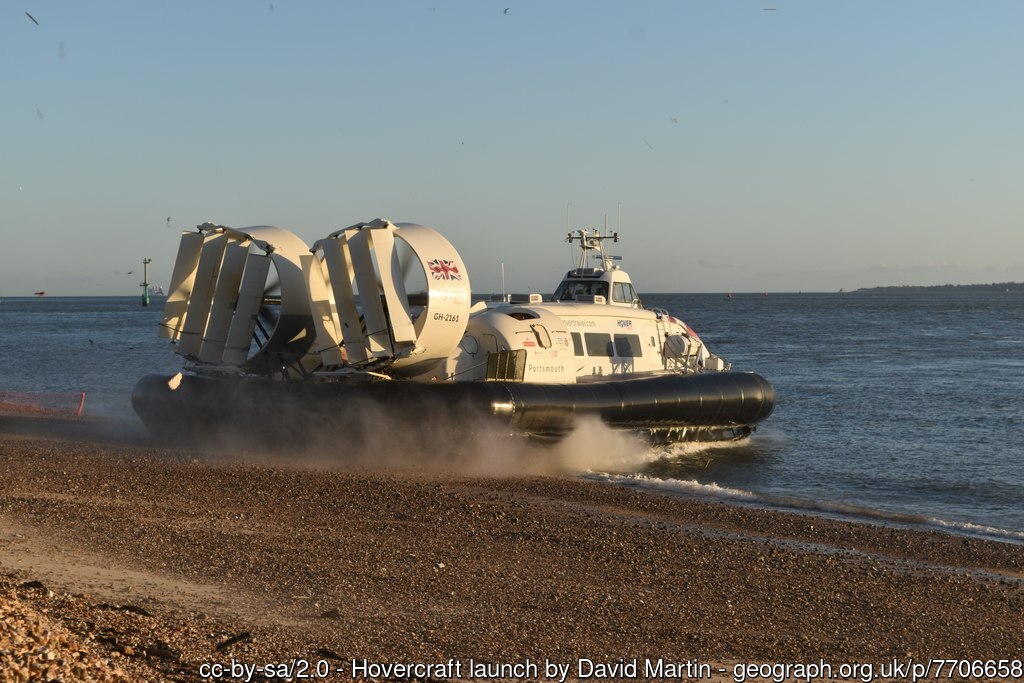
(442, 269)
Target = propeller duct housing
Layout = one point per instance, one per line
(343, 303)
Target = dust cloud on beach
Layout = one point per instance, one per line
(466, 443)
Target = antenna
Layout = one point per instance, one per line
(145, 280)
(568, 230)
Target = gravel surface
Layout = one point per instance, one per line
(132, 562)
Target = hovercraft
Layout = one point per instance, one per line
(281, 340)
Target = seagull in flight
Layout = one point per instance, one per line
(506, 10)
(32, 18)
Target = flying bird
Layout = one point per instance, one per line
(32, 18)
(647, 143)
(168, 221)
(506, 10)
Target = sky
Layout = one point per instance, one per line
(737, 146)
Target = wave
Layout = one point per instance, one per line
(978, 530)
(685, 486)
(830, 509)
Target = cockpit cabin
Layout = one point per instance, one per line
(593, 285)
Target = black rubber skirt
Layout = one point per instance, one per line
(712, 402)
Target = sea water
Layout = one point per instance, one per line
(895, 405)
(890, 402)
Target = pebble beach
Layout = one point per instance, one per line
(124, 560)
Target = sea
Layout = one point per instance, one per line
(901, 407)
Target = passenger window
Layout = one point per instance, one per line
(628, 346)
(599, 344)
(577, 344)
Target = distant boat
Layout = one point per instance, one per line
(40, 293)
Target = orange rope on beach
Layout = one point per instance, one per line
(52, 403)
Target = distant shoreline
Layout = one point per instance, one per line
(995, 287)
(157, 301)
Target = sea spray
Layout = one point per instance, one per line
(594, 446)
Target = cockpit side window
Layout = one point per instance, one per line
(623, 293)
(570, 289)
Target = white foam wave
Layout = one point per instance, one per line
(978, 530)
(687, 486)
(831, 509)
(683, 450)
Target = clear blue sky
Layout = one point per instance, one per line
(815, 146)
